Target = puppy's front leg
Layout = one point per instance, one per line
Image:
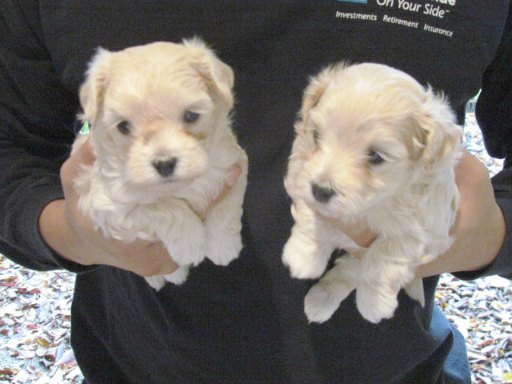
(310, 245)
(324, 298)
(185, 236)
(223, 223)
(388, 265)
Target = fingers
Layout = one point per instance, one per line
(141, 257)
(89, 245)
(231, 177)
(359, 232)
(158, 261)
(230, 180)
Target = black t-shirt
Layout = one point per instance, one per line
(243, 323)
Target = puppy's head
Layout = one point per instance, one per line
(366, 132)
(153, 109)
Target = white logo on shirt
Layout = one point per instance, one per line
(429, 9)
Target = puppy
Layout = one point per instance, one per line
(373, 148)
(161, 133)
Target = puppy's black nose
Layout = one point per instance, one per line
(165, 167)
(322, 194)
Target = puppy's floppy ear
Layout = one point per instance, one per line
(316, 88)
(440, 133)
(93, 89)
(219, 76)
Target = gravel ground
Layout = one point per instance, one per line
(35, 316)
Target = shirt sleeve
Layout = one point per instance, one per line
(494, 116)
(36, 116)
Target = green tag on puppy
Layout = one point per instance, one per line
(85, 128)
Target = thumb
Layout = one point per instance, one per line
(233, 175)
(84, 151)
(82, 154)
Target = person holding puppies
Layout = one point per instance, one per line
(244, 322)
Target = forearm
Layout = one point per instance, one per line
(480, 232)
(502, 262)
(80, 245)
(58, 234)
(35, 116)
(27, 184)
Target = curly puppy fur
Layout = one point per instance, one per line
(373, 148)
(161, 133)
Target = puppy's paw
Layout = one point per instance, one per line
(187, 251)
(415, 290)
(375, 304)
(323, 299)
(221, 251)
(179, 276)
(156, 282)
(319, 304)
(301, 258)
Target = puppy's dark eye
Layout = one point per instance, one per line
(124, 127)
(374, 158)
(190, 117)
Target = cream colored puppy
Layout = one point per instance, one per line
(374, 148)
(160, 129)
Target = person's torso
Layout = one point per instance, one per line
(247, 319)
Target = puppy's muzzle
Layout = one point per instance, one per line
(322, 194)
(165, 167)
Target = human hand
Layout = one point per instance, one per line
(478, 232)
(480, 227)
(73, 236)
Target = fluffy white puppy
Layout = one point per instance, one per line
(373, 147)
(161, 133)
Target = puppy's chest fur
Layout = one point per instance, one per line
(99, 198)
(161, 130)
(427, 209)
